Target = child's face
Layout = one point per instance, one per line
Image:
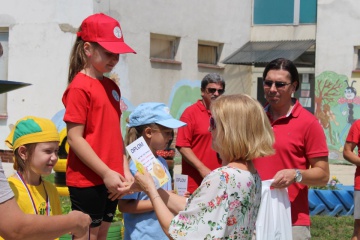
(102, 60)
(160, 136)
(44, 157)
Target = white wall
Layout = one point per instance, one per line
(38, 54)
(225, 21)
(337, 34)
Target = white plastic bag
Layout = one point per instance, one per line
(274, 218)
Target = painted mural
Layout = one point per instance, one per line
(337, 106)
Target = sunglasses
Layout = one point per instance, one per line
(268, 83)
(213, 90)
(212, 124)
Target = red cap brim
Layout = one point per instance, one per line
(117, 47)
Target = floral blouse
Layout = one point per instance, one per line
(225, 206)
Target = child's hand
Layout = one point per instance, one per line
(113, 181)
(83, 222)
(129, 188)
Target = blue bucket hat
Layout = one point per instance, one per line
(152, 112)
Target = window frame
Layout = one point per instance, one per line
(4, 60)
(215, 62)
(155, 45)
(356, 59)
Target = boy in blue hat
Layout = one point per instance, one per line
(153, 122)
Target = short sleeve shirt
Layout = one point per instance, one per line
(196, 135)
(95, 104)
(298, 138)
(354, 136)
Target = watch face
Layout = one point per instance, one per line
(298, 177)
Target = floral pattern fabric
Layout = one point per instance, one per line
(225, 206)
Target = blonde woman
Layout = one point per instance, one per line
(226, 203)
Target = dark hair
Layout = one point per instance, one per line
(1, 50)
(212, 78)
(286, 65)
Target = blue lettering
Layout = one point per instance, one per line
(137, 147)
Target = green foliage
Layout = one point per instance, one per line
(65, 204)
(332, 184)
(331, 228)
(49, 178)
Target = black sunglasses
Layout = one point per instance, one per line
(212, 124)
(268, 83)
(213, 90)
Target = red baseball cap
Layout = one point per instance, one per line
(105, 31)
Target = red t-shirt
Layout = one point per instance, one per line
(354, 136)
(196, 136)
(96, 105)
(298, 138)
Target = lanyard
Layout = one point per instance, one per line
(47, 208)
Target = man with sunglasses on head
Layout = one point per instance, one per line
(194, 140)
(301, 157)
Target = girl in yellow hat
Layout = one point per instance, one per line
(35, 142)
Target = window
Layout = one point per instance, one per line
(163, 48)
(306, 92)
(291, 12)
(209, 53)
(357, 58)
(4, 40)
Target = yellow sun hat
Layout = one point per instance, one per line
(32, 130)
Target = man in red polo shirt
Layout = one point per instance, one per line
(194, 140)
(299, 143)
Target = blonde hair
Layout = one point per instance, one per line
(243, 131)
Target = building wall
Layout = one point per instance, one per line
(39, 48)
(41, 34)
(223, 22)
(336, 37)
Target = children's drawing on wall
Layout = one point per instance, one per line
(183, 94)
(335, 102)
(347, 104)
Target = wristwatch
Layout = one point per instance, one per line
(298, 176)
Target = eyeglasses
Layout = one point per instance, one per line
(268, 83)
(213, 90)
(212, 124)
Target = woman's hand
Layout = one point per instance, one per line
(145, 181)
(128, 176)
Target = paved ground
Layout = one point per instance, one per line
(345, 173)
